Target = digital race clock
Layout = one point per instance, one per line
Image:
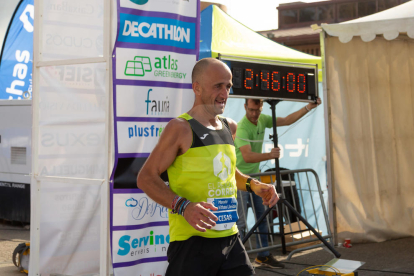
(273, 80)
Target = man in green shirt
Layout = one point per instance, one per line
(249, 142)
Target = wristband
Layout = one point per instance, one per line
(248, 188)
(306, 107)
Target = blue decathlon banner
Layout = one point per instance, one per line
(156, 30)
(17, 52)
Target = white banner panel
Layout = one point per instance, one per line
(69, 223)
(72, 29)
(138, 136)
(134, 209)
(150, 101)
(148, 65)
(183, 7)
(72, 121)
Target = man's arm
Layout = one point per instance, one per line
(266, 191)
(250, 156)
(292, 118)
(175, 140)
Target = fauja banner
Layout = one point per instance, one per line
(156, 48)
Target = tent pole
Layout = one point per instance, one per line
(328, 135)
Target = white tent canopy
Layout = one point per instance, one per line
(390, 23)
(370, 95)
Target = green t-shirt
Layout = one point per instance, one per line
(247, 130)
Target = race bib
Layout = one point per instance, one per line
(226, 213)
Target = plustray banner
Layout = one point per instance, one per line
(156, 48)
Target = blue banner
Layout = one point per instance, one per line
(17, 56)
(156, 30)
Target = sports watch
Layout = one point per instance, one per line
(248, 188)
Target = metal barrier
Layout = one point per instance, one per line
(295, 232)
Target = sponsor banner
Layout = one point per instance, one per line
(156, 31)
(72, 29)
(88, 13)
(74, 77)
(62, 42)
(13, 185)
(155, 51)
(148, 243)
(16, 60)
(181, 7)
(135, 209)
(134, 137)
(82, 140)
(149, 101)
(148, 65)
(146, 269)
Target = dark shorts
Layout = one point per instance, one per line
(200, 256)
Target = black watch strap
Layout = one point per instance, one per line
(248, 188)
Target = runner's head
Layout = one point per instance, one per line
(211, 84)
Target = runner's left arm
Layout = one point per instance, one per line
(266, 191)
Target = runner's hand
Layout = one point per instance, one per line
(199, 217)
(266, 191)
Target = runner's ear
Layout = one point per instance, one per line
(197, 88)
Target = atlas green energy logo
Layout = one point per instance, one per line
(164, 67)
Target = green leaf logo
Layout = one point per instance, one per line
(138, 66)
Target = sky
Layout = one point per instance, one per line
(258, 15)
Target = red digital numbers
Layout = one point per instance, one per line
(272, 80)
(275, 81)
(248, 79)
(301, 83)
(291, 82)
(264, 77)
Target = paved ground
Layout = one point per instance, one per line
(390, 258)
(11, 235)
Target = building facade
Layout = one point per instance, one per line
(296, 18)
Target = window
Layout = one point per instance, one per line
(346, 11)
(325, 13)
(366, 8)
(386, 4)
(307, 14)
(289, 16)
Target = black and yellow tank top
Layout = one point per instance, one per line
(206, 172)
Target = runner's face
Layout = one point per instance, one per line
(253, 111)
(215, 88)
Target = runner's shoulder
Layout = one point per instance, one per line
(232, 124)
(178, 126)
